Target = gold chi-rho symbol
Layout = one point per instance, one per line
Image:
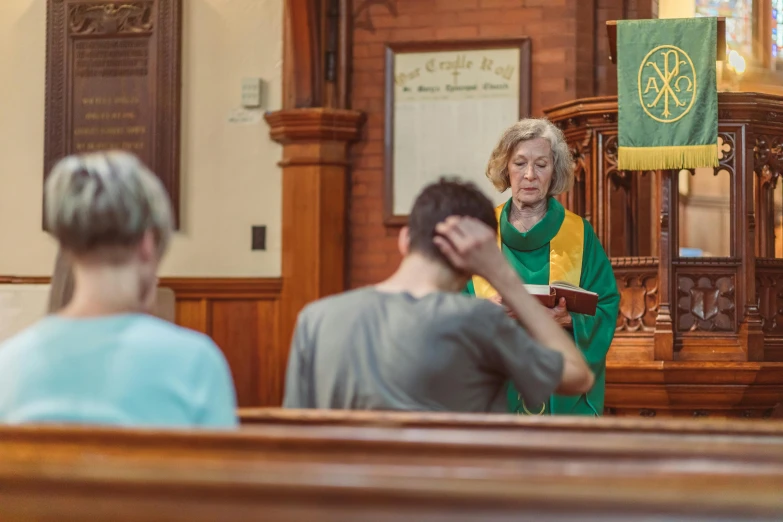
(667, 83)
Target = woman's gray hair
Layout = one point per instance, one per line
(529, 129)
(106, 201)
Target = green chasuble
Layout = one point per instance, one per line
(528, 253)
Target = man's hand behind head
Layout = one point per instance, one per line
(469, 245)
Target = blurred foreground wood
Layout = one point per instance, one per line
(359, 469)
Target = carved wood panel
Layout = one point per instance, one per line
(706, 302)
(113, 82)
(582, 154)
(769, 292)
(637, 282)
(768, 166)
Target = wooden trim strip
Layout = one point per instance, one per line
(224, 287)
(195, 287)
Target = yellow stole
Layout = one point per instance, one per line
(565, 260)
(565, 254)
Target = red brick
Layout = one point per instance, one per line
(388, 21)
(367, 105)
(502, 31)
(553, 84)
(454, 5)
(457, 33)
(369, 147)
(379, 35)
(502, 3)
(419, 33)
(368, 50)
(416, 7)
(436, 19)
(374, 133)
(369, 162)
(545, 56)
(372, 258)
(368, 64)
(498, 16)
(367, 91)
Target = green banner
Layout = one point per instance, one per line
(667, 93)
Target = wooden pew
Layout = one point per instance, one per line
(286, 473)
(737, 429)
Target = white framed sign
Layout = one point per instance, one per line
(447, 104)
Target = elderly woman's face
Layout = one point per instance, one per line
(530, 171)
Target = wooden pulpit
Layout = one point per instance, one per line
(695, 336)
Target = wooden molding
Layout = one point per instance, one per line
(224, 287)
(195, 287)
(25, 280)
(317, 124)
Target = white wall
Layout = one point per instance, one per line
(230, 179)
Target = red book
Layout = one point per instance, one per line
(578, 300)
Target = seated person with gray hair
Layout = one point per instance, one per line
(413, 342)
(103, 359)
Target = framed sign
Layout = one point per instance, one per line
(447, 103)
(113, 82)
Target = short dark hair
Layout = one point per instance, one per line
(447, 197)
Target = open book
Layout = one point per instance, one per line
(578, 300)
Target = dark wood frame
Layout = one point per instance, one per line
(525, 62)
(166, 90)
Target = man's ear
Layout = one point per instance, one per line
(404, 241)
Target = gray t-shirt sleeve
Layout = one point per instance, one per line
(535, 370)
(298, 379)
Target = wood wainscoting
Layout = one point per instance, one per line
(242, 315)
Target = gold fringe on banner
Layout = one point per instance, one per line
(667, 158)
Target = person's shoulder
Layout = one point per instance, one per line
(164, 336)
(469, 307)
(338, 303)
(165, 330)
(30, 336)
(174, 345)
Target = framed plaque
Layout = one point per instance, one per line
(113, 78)
(447, 103)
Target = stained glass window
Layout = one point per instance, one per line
(739, 21)
(777, 27)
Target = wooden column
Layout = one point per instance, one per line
(315, 146)
(663, 340)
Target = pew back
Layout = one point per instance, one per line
(573, 425)
(379, 473)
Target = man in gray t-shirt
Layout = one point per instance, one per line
(413, 343)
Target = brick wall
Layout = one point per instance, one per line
(570, 60)
(605, 70)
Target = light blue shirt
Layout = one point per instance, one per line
(124, 370)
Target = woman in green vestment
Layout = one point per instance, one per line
(546, 243)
